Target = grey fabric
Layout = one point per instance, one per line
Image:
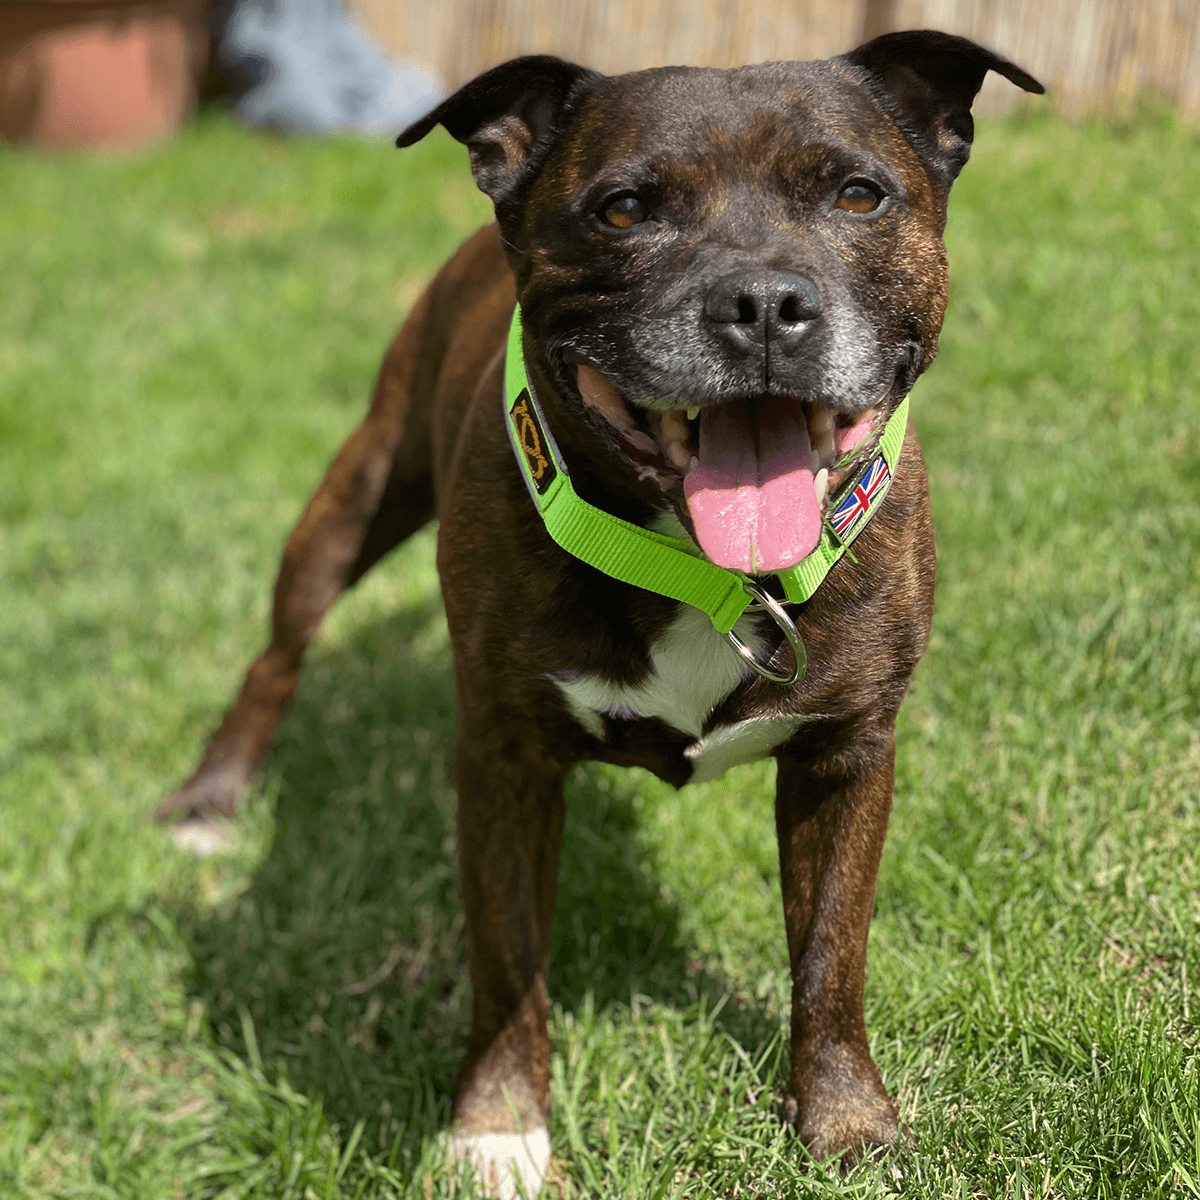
(310, 69)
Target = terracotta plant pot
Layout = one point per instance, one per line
(81, 73)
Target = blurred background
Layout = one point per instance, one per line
(120, 72)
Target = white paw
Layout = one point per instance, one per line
(201, 838)
(501, 1159)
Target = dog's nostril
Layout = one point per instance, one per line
(754, 304)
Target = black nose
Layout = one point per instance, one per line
(752, 309)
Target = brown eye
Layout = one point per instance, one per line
(858, 198)
(624, 212)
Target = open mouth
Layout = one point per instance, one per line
(755, 474)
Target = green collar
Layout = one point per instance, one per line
(667, 565)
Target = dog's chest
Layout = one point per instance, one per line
(694, 670)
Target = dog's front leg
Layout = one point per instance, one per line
(831, 831)
(510, 823)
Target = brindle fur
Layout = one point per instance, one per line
(742, 166)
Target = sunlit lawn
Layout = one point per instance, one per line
(186, 337)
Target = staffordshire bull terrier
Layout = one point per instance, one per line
(659, 411)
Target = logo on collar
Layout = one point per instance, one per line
(532, 442)
(854, 510)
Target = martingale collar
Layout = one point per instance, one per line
(671, 566)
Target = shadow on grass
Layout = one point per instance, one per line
(346, 949)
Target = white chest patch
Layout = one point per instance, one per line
(694, 669)
(731, 745)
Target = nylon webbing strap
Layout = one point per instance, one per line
(855, 506)
(627, 552)
(643, 557)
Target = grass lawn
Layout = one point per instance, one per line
(185, 339)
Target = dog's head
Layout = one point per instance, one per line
(735, 276)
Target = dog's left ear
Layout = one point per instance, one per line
(928, 81)
(509, 118)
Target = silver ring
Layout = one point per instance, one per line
(764, 600)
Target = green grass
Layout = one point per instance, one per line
(186, 337)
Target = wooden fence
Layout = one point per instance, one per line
(1092, 54)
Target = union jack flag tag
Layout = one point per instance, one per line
(856, 506)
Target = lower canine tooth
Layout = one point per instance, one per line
(820, 483)
(678, 453)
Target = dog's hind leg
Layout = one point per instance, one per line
(378, 491)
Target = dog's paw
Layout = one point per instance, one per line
(844, 1113)
(200, 837)
(213, 795)
(500, 1160)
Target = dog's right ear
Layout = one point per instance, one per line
(929, 80)
(509, 117)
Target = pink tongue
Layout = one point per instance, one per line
(751, 497)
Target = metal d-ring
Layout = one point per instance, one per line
(764, 600)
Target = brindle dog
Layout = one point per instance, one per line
(729, 280)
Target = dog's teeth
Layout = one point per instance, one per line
(821, 422)
(820, 419)
(674, 426)
(814, 461)
(693, 413)
(678, 453)
(694, 463)
(820, 483)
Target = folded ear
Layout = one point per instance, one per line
(928, 81)
(509, 118)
